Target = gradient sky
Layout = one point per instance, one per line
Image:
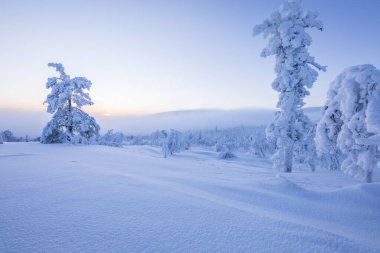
(162, 55)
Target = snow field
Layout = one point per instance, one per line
(63, 198)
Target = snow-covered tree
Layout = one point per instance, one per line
(1, 139)
(156, 138)
(113, 139)
(172, 143)
(8, 136)
(69, 122)
(328, 129)
(259, 145)
(354, 98)
(288, 42)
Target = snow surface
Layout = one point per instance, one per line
(62, 198)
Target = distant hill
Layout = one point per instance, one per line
(31, 123)
(196, 119)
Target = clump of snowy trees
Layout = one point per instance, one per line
(224, 141)
(70, 124)
(349, 130)
(288, 42)
(112, 138)
(170, 142)
(248, 139)
(8, 136)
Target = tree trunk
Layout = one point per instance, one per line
(289, 148)
(70, 127)
(368, 178)
(371, 163)
(288, 159)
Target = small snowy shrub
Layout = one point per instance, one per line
(173, 143)
(69, 123)
(353, 122)
(113, 139)
(288, 42)
(259, 145)
(224, 147)
(219, 147)
(226, 154)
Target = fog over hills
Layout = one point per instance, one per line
(32, 122)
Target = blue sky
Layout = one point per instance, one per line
(151, 56)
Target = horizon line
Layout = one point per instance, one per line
(131, 114)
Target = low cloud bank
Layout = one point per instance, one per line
(31, 122)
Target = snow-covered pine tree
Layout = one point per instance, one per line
(288, 42)
(355, 95)
(328, 129)
(69, 122)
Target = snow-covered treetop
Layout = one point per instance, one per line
(287, 28)
(359, 94)
(288, 41)
(59, 67)
(65, 90)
